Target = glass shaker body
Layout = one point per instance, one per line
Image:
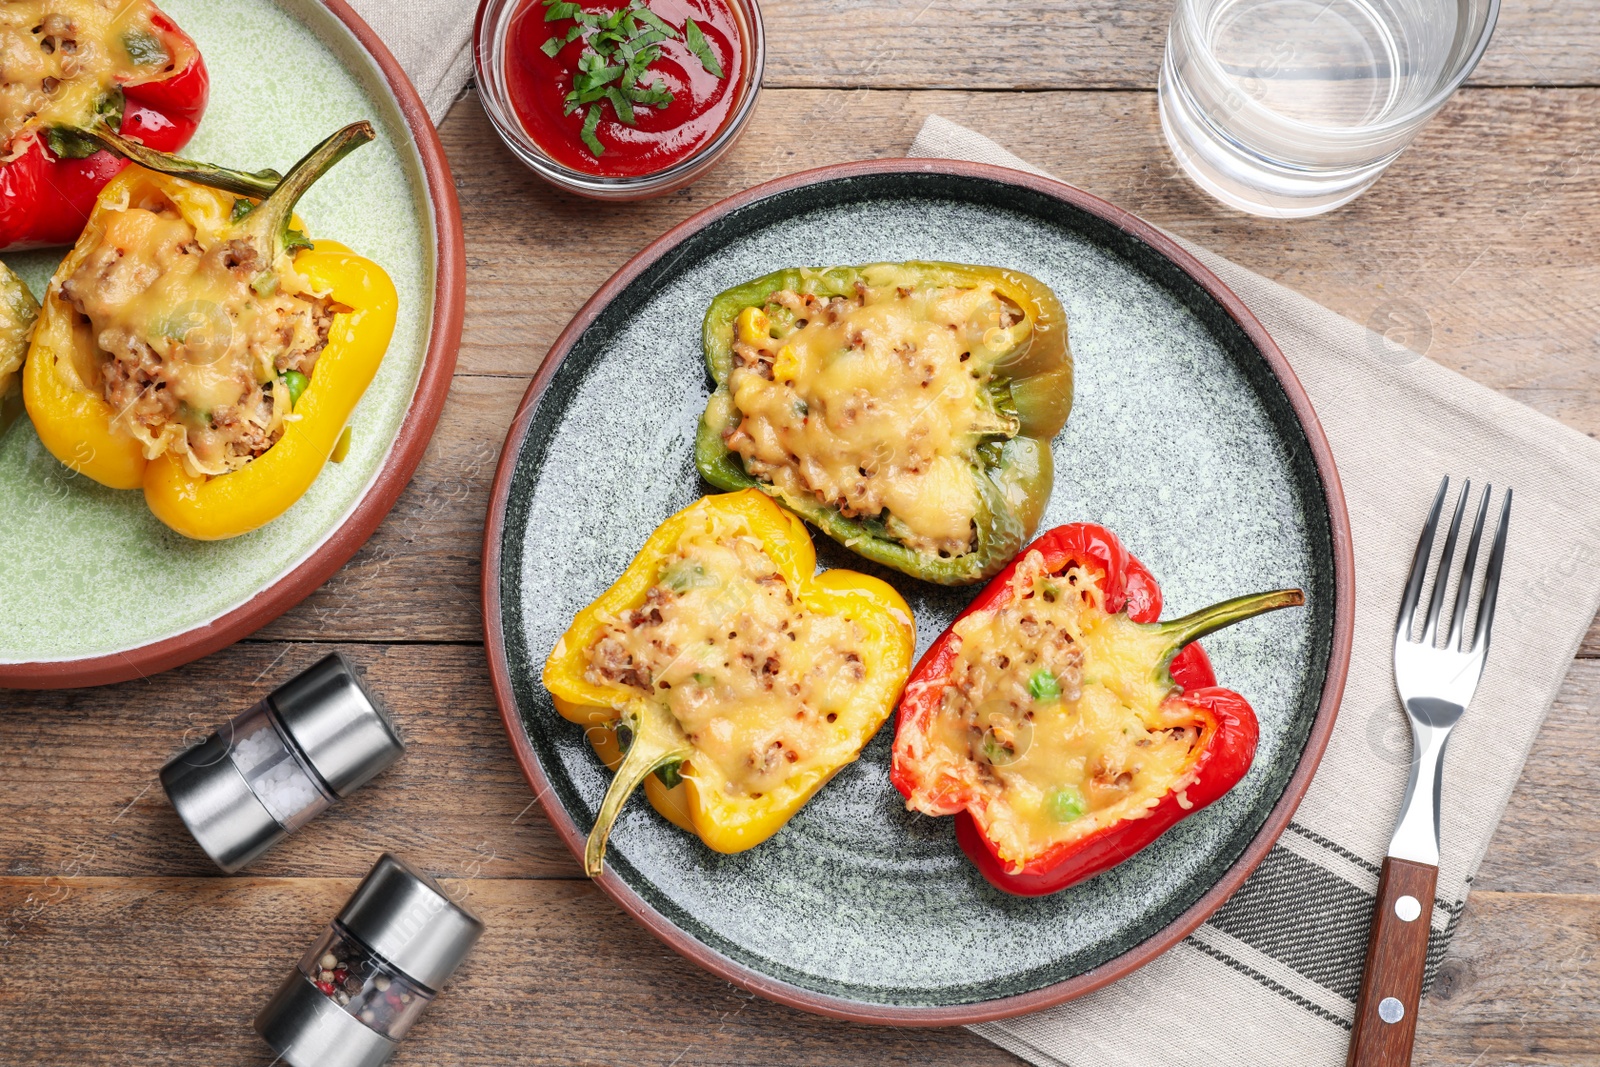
(276, 772)
(363, 983)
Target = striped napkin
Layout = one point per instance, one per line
(1271, 979)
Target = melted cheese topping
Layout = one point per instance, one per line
(753, 678)
(17, 315)
(875, 405)
(193, 335)
(1053, 720)
(59, 59)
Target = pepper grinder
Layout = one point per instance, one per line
(362, 984)
(261, 776)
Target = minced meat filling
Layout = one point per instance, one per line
(875, 403)
(755, 680)
(59, 58)
(193, 352)
(1045, 723)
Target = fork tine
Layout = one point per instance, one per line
(1468, 567)
(1491, 584)
(1441, 579)
(1419, 566)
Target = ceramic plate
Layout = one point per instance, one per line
(95, 588)
(1190, 438)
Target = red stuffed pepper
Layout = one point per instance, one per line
(75, 65)
(1061, 724)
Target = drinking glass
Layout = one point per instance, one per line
(1291, 108)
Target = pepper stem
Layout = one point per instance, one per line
(657, 742)
(258, 184)
(269, 220)
(1197, 624)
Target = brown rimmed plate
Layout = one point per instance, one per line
(1191, 438)
(92, 588)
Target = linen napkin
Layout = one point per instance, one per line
(431, 39)
(1272, 977)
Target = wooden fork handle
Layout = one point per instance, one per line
(1397, 953)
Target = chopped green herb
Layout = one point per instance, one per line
(591, 122)
(1043, 685)
(701, 48)
(620, 104)
(618, 49)
(654, 95)
(110, 107)
(68, 142)
(193, 415)
(556, 44)
(682, 575)
(668, 773)
(145, 49)
(661, 25)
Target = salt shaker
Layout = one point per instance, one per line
(361, 985)
(260, 777)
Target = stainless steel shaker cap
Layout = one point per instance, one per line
(309, 1029)
(340, 727)
(405, 917)
(227, 819)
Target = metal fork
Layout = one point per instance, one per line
(1435, 684)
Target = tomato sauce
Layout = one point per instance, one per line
(701, 103)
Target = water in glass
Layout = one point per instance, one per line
(1294, 107)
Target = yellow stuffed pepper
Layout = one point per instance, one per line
(739, 680)
(18, 310)
(197, 345)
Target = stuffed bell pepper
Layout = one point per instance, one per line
(69, 65)
(1064, 727)
(18, 311)
(199, 346)
(905, 409)
(738, 680)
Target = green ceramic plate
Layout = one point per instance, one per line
(1190, 438)
(94, 588)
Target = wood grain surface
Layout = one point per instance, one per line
(120, 945)
(1092, 44)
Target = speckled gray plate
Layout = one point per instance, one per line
(1190, 438)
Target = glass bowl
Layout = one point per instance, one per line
(491, 35)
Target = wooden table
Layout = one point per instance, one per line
(120, 945)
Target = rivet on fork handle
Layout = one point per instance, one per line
(1386, 1010)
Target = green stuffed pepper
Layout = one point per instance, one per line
(904, 409)
(18, 312)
